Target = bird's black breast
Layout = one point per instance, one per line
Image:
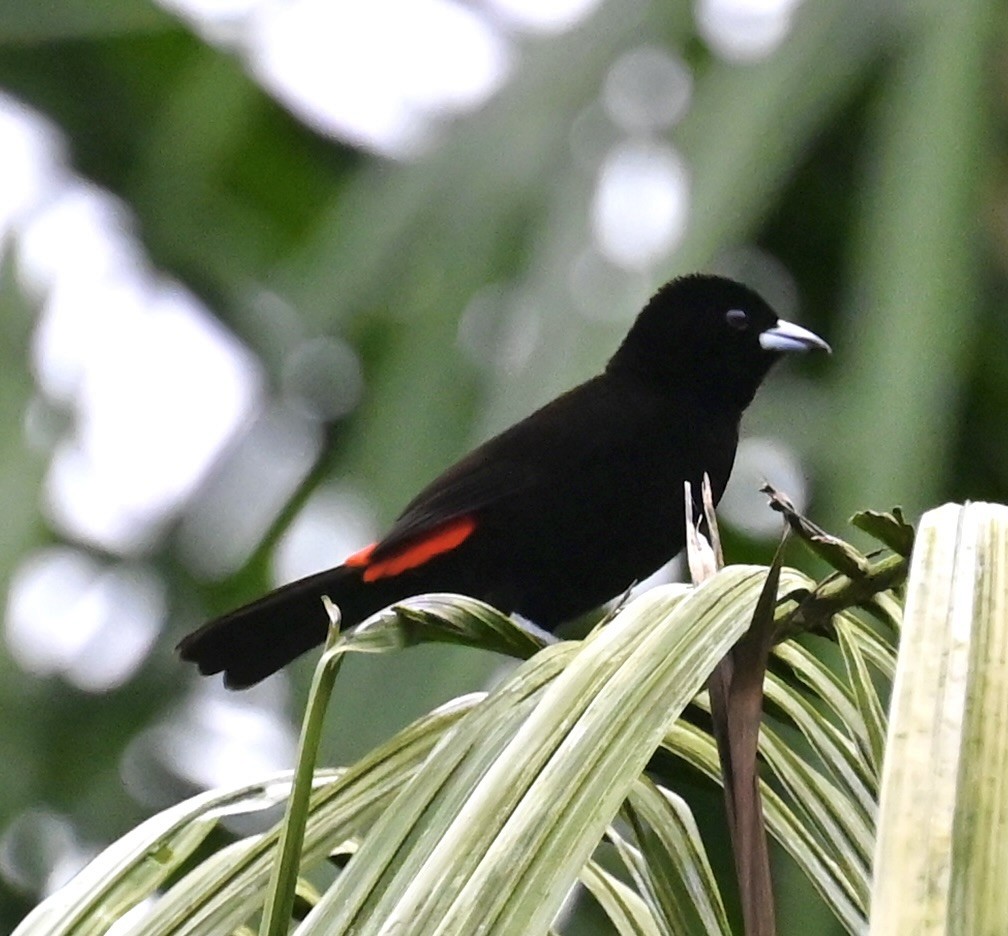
(600, 504)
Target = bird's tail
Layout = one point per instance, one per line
(249, 644)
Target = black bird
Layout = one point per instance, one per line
(563, 510)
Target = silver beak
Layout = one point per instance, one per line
(786, 336)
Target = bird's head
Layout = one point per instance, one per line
(710, 336)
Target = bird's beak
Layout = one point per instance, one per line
(786, 336)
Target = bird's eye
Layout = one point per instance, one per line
(738, 319)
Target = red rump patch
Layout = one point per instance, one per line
(439, 540)
(360, 558)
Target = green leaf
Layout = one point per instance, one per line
(942, 844)
(495, 831)
(285, 874)
(27, 21)
(445, 618)
(674, 868)
(227, 888)
(830, 876)
(417, 817)
(888, 528)
(833, 746)
(624, 907)
(135, 865)
(867, 698)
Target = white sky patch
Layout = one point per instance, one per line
(333, 523)
(218, 21)
(323, 378)
(154, 389)
(217, 738)
(603, 292)
(160, 388)
(31, 159)
(647, 89)
(40, 851)
(500, 328)
(79, 234)
(383, 74)
(243, 496)
(745, 30)
(757, 461)
(641, 203)
(78, 317)
(380, 74)
(91, 624)
(543, 16)
(210, 11)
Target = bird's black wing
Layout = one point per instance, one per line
(544, 446)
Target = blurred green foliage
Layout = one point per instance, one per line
(868, 155)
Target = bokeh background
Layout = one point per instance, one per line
(267, 266)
